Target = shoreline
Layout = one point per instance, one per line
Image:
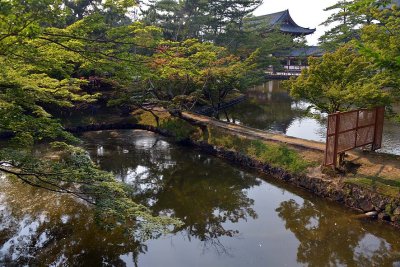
(353, 196)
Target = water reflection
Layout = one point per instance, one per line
(269, 107)
(231, 217)
(41, 228)
(334, 240)
(204, 192)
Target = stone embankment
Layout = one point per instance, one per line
(337, 187)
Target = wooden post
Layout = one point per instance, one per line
(378, 126)
(357, 124)
(335, 150)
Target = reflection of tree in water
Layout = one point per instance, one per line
(268, 107)
(204, 192)
(122, 152)
(329, 238)
(40, 228)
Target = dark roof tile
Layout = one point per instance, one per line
(281, 20)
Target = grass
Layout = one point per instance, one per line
(146, 118)
(382, 186)
(277, 155)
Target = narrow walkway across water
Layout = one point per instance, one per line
(256, 133)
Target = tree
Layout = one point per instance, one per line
(347, 24)
(339, 81)
(183, 74)
(380, 41)
(41, 70)
(201, 19)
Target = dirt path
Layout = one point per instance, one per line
(258, 134)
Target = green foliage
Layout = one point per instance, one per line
(380, 43)
(222, 23)
(215, 21)
(373, 27)
(346, 24)
(339, 81)
(182, 74)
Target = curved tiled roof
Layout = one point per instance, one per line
(280, 20)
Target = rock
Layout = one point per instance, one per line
(371, 214)
(350, 202)
(395, 218)
(382, 205)
(366, 205)
(396, 211)
(384, 216)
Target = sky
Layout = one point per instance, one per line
(306, 13)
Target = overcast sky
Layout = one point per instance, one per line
(306, 13)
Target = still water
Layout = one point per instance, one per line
(232, 217)
(269, 107)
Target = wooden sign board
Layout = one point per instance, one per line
(352, 129)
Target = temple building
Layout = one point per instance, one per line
(281, 21)
(294, 60)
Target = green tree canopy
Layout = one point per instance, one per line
(380, 41)
(183, 74)
(372, 29)
(345, 23)
(339, 81)
(201, 19)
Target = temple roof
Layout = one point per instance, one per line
(279, 20)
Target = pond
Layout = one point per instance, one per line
(269, 107)
(231, 216)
